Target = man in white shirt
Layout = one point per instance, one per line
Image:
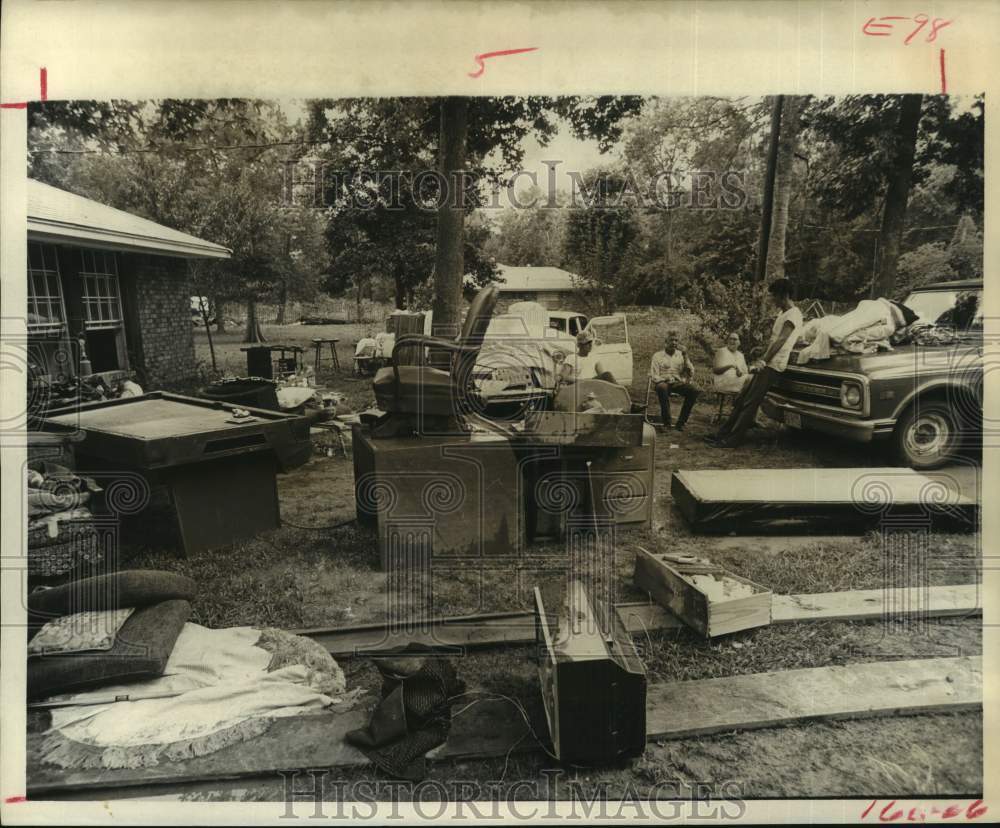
(672, 373)
(584, 364)
(784, 334)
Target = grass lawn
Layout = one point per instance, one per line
(307, 574)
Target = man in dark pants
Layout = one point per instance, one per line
(784, 334)
(671, 372)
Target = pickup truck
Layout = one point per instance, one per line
(925, 401)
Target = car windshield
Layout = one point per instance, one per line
(959, 309)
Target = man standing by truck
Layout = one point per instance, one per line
(784, 334)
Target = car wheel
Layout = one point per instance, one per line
(926, 437)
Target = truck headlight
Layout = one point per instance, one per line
(851, 395)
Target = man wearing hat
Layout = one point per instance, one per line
(583, 364)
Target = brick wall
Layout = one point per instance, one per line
(158, 319)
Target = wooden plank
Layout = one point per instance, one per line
(493, 728)
(869, 604)
(686, 709)
(517, 628)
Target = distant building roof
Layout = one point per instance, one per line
(527, 279)
(62, 217)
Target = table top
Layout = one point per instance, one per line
(298, 348)
(155, 418)
(319, 341)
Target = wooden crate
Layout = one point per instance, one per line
(705, 596)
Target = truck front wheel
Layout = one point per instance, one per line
(926, 436)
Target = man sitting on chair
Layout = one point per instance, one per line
(584, 364)
(671, 372)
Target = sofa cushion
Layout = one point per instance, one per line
(140, 651)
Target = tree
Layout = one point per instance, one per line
(600, 239)
(900, 176)
(784, 183)
(209, 168)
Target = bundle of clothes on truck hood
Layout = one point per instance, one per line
(874, 325)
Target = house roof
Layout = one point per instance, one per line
(526, 279)
(61, 217)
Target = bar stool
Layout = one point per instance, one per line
(334, 359)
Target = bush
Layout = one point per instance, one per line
(732, 306)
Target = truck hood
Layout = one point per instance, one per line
(903, 358)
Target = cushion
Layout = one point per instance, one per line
(140, 651)
(79, 633)
(128, 588)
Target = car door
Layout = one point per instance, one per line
(612, 347)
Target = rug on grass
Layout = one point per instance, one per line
(230, 685)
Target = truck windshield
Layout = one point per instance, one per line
(959, 309)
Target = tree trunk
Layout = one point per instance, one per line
(791, 112)
(400, 288)
(220, 315)
(449, 261)
(767, 206)
(904, 140)
(253, 332)
(282, 303)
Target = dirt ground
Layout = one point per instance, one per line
(313, 572)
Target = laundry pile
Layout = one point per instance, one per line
(61, 531)
(130, 683)
(867, 329)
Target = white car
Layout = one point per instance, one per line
(519, 352)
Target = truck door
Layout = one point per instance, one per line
(612, 346)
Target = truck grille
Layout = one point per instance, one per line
(809, 387)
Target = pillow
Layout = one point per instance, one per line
(128, 588)
(79, 633)
(140, 651)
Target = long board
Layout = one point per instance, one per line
(783, 501)
(674, 710)
(515, 628)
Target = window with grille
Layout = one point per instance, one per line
(46, 309)
(102, 307)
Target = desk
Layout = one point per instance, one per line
(220, 471)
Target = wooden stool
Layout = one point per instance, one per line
(318, 345)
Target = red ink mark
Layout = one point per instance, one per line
(485, 55)
(917, 813)
(976, 809)
(944, 75)
(922, 20)
(43, 88)
(13, 800)
(936, 26)
(871, 24)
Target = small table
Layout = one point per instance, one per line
(259, 359)
(318, 345)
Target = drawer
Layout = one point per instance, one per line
(639, 458)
